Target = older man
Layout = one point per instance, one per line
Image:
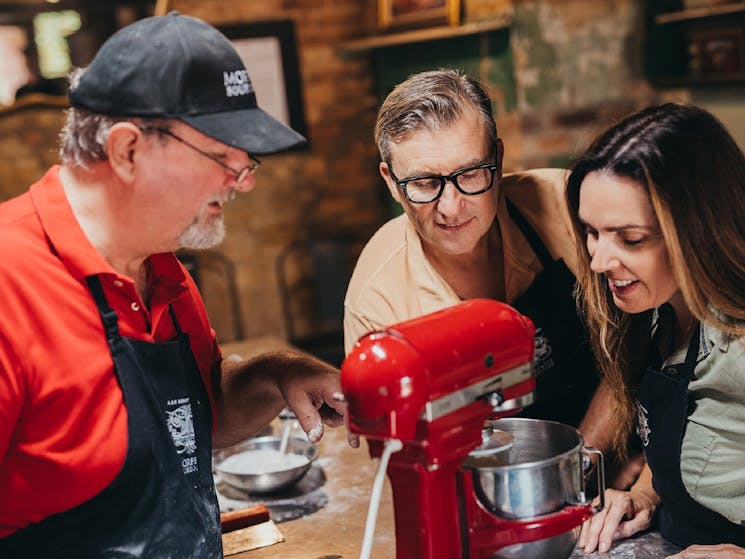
(112, 389)
(469, 233)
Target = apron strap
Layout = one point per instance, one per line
(692, 353)
(532, 237)
(108, 315)
(175, 320)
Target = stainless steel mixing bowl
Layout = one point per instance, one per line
(541, 473)
(271, 481)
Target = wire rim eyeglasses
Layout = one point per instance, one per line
(426, 189)
(240, 174)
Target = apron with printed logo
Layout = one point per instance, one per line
(162, 503)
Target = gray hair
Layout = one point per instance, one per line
(83, 137)
(430, 101)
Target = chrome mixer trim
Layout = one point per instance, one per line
(516, 403)
(469, 394)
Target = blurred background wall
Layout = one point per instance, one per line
(559, 71)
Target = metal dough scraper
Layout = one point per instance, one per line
(248, 528)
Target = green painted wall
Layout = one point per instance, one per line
(392, 65)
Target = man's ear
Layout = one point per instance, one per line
(122, 144)
(395, 191)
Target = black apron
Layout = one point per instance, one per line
(665, 404)
(162, 504)
(566, 375)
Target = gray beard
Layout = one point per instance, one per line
(203, 235)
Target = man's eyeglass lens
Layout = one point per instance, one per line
(422, 190)
(240, 174)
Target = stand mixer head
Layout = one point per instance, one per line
(431, 383)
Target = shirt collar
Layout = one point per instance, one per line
(74, 249)
(663, 326)
(63, 230)
(521, 264)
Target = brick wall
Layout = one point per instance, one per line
(332, 187)
(562, 72)
(28, 141)
(559, 74)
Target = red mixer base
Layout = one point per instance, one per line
(488, 533)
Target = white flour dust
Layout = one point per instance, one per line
(262, 461)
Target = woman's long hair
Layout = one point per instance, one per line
(694, 174)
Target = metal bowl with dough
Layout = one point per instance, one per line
(245, 467)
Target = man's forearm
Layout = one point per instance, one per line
(247, 397)
(598, 425)
(643, 490)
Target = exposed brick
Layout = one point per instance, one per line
(567, 78)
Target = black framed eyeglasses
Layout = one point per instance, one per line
(240, 174)
(469, 181)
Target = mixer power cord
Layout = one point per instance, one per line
(390, 446)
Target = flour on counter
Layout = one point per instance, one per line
(262, 461)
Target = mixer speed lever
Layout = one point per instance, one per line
(495, 399)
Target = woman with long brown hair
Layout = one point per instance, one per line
(658, 208)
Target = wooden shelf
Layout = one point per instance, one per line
(421, 35)
(33, 100)
(699, 81)
(700, 13)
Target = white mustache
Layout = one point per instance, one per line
(224, 199)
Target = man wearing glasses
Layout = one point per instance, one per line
(469, 233)
(112, 387)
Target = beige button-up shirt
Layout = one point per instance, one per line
(393, 280)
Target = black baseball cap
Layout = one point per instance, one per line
(178, 66)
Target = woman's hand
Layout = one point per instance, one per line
(720, 551)
(625, 514)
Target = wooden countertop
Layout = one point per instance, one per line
(336, 530)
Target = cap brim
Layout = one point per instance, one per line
(251, 130)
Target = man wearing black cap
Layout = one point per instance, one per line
(112, 390)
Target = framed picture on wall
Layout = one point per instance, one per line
(399, 14)
(269, 52)
(717, 51)
(268, 49)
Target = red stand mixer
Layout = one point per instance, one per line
(431, 383)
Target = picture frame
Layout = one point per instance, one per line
(718, 52)
(400, 14)
(268, 49)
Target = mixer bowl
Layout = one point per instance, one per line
(539, 474)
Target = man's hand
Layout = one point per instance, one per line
(721, 551)
(249, 394)
(313, 393)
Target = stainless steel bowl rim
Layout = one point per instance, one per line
(579, 447)
(260, 442)
(527, 465)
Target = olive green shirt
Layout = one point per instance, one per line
(712, 460)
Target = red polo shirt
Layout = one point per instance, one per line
(63, 423)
